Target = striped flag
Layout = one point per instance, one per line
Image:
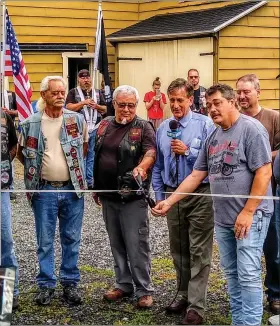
(14, 66)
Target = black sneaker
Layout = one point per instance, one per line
(71, 295)
(44, 296)
(13, 196)
(15, 303)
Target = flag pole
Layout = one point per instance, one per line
(97, 45)
(3, 5)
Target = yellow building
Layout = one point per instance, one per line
(58, 38)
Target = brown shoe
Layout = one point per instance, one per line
(192, 318)
(177, 307)
(274, 306)
(116, 294)
(146, 301)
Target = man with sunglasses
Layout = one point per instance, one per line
(199, 104)
(92, 105)
(126, 148)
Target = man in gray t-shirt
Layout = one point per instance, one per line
(237, 159)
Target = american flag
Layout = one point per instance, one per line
(14, 66)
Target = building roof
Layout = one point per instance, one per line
(184, 24)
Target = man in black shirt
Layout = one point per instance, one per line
(125, 148)
(199, 103)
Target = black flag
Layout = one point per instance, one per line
(101, 61)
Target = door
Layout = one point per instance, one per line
(140, 63)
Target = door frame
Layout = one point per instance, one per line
(76, 55)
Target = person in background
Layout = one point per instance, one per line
(248, 93)
(155, 102)
(199, 103)
(80, 99)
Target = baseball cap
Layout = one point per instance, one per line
(83, 73)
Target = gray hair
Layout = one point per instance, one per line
(252, 78)
(45, 85)
(127, 90)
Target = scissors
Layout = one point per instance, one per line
(142, 191)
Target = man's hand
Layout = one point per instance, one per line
(5, 110)
(178, 147)
(139, 171)
(243, 224)
(90, 102)
(96, 199)
(161, 208)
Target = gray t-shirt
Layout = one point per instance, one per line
(231, 156)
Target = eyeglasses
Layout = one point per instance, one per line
(130, 106)
(191, 77)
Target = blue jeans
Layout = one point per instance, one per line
(8, 258)
(69, 209)
(272, 253)
(89, 159)
(241, 261)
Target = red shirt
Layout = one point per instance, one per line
(154, 112)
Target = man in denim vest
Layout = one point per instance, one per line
(92, 105)
(52, 147)
(125, 148)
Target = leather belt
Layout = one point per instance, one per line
(55, 184)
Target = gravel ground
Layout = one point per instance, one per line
(97, 275)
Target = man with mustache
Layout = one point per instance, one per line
(191, 224)
(237, 159)
(81, 100)
(126, 148)
(52, 147)
(248, 93)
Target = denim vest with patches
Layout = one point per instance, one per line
(71, 140)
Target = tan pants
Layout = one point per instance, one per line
(191, 239)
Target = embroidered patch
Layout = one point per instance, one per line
(72, 130)
(5, 177)
(32, 142)
(75, 162)
(5, 165)
(78, 173)
(3, 121)
(30, 173)
(73, 152)
(103, 125)
(70, 121)
(135, 134)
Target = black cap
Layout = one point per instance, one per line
(83, 73)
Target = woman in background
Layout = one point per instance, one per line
(155, 102)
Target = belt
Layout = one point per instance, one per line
(55, 184)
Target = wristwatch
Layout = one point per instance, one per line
(187, 152)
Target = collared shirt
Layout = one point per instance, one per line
(194, 128)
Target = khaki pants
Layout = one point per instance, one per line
(191, 240)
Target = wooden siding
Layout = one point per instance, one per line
(251, 45)
(147, 10)
(64, 22)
